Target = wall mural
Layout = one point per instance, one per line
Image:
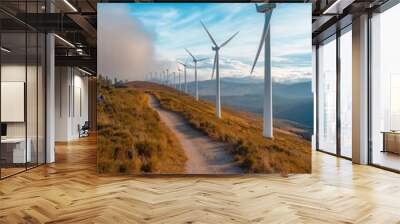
(204, 88)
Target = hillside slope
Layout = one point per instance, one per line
(291, 101)
(131, 137)
(286, 153)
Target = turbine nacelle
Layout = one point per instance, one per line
(264, 8)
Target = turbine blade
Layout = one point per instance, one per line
(227, 41)
(208, 33)
(215, 63)
(191, 55)
(266, 26)
(202, 59)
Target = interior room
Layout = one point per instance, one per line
(28, 131)
(22, 100)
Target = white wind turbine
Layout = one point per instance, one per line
(164, 81)
(216, 48)
(184, 72)
(173, 84)
(195, 60)
(266, 39)
(179, 79)
(168, 79)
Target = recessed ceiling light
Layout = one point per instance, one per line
(5, 50)
(64, 40)
(84, 71)
(70, 5)
(337, 7)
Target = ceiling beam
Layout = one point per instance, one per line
(77, 61)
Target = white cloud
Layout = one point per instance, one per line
(125, 50)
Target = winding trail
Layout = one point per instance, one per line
(205, 156)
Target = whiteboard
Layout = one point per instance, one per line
(12, 101)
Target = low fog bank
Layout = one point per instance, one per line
(125, 49)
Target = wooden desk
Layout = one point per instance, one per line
(13, 150)
(391, 141)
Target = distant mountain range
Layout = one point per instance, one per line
(292, 102)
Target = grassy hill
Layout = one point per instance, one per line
(131, 137)
(286, 153)
(298, 111)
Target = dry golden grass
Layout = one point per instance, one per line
(131, 137)
(285, 153)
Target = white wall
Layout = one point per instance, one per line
(12, 73)
(33, 127)
(62, 83)
(71, 93)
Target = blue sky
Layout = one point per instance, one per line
(171, 27)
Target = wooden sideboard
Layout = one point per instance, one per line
(391, 141)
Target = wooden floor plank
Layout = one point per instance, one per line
(70, 191)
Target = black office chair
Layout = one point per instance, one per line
(84, 130)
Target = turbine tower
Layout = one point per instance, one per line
(266, 39)
(184, 72)
(195, 60)
(167, 77)
(163, 78)
(216, 48)
(174, 80)
(179, 79)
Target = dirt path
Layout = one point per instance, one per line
(205, 156)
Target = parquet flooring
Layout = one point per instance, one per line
(70, 191)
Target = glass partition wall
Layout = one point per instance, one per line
(327, 96)
(345, 91)
(385, 90)
(334, 105)
(22, 98)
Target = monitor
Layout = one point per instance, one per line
(3, 129)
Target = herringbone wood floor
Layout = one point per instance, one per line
(70, 191)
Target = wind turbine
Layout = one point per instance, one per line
(266, 39)
(179, 77)
(167, 77)
(216, 48)
(184, 72)
(195, 60)
(174, 80)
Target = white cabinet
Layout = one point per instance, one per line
(19, 155)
